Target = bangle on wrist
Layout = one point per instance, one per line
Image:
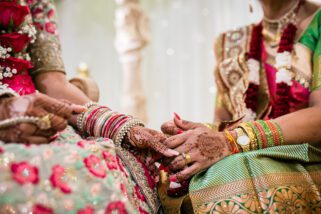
(211, 126)
(232, 142)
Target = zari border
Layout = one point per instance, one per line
(137, 172)
(219, 192)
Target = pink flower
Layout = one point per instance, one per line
(40, 209)
(110, 160)
(21, 83)
(86, 210)
(116, 206)
(19, 64)
(16, 41)
(93, 163)
(50, 27)
(12, 14)
(57, 181)
(1, 150)
(23, 173)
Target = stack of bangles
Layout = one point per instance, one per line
(100, 121)
(251, 136)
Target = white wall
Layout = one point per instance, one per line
(179, 62)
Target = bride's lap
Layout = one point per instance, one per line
(66, 175)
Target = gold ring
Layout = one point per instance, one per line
(187, 157)
(44, 122)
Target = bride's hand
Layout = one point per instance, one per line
(35, 105)
(199, 148)
(170, 128)
(141, 137)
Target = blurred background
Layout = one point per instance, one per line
(178, 64)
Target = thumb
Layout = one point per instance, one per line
(184, 124)
(77, 109)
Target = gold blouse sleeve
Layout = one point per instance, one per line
(45, 52)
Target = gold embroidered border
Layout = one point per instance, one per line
(137, 172)
(219, 192)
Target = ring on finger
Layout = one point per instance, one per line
(44, 122)
(187, 157)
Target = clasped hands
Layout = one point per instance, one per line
(189, 147)
(199, 148)
(185, 148)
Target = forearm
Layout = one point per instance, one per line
(55, 85)
(301, 126)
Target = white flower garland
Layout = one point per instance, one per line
(283, 64)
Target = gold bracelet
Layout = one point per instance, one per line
(42, 123)
(243, 140)
(232, 141)
(213, 127)
(250, 133)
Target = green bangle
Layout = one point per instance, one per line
(279, 131)
(268, 133)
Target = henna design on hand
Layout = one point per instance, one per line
(137, 138)
(209, 146)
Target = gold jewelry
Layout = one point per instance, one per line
(124, 129)
(243, 140)
(272, 29)
(187, 158)
(42, 123)
(231, 140)
(213, 127)
(250, 133)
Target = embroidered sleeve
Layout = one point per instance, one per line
(45, 51)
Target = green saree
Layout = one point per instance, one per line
(283, 179)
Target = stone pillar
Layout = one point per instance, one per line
(132, 36)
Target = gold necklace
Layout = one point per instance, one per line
(272, 29)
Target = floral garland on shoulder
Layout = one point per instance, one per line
(16, 33)
(283, 63)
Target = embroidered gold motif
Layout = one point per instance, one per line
(231, 73)
(46, 54)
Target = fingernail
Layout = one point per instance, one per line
(179, 131)
(173, 152)
(173, 178)
(177, 116)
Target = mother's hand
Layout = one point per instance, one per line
(35, 105)
(199, 146)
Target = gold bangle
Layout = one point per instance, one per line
(213, 127)
(243, 140)
(232, 140)
(42, 123)
(250, 133)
